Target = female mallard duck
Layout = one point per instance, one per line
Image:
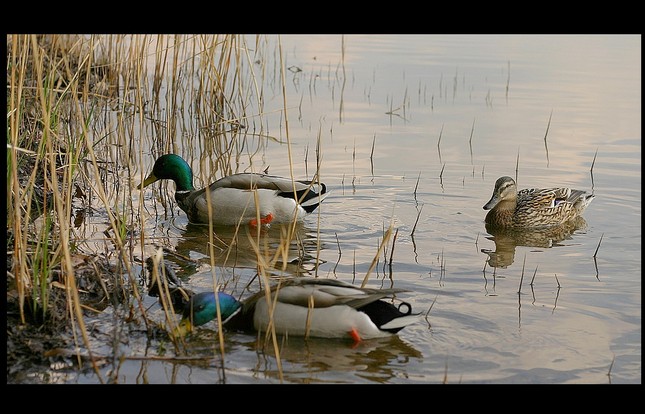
(325, 308)
(232, 200)
(534, 207)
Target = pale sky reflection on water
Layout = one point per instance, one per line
(501, 90)
(414, 130)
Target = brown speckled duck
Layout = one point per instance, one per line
(534, 207)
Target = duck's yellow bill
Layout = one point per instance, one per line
(183, 328)
(151, 179)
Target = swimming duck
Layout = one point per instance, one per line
(534, 207)
(325, 308)
(231, 198)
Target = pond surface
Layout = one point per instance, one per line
(414, 131)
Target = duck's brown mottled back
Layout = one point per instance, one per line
(535, 207)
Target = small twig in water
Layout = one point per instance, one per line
(415, 223)
(429, 309)
(354, 267)
(517, 163)
(439, 143)
(340, 252)
(306, 160)
(591, 169)
(372, 155)
(396, 233)
(508, 80)
(470, 142)
(522, 277)
(598, 247)
(610, 367)
(557, 295)
(545, 134)
(534, 273)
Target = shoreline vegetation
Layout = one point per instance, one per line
(85, 117)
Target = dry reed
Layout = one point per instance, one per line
(82, 113)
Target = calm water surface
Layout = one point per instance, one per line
(414, 131)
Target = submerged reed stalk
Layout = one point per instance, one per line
(591, 169)
(519, 290)
(545, 135)
(439, 143)
(414, 228)
(598, 247)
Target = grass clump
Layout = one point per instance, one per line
(85, 115)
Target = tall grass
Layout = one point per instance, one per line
(86, 117)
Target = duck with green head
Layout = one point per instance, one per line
(533, 207)
(325, 308)
(232, 199)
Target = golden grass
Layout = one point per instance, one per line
(86, 116)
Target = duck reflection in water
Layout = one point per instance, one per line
(235, 248)
(507, 239)
(376, 360)
(379, 360)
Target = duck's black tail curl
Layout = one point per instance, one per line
(309, 198)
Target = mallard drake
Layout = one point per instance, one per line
(325, 308)
(231, 198)
(533, 207)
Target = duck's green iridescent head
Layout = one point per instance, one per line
(171, 167)
(202, 308)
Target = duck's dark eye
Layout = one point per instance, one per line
(406, 306)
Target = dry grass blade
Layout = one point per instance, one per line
(384, 242)
(76, 108)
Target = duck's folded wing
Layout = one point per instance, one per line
(306, 192)
(574, 195)
(245, 181)
(249, 181)
(543, 198)
(322, 296)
